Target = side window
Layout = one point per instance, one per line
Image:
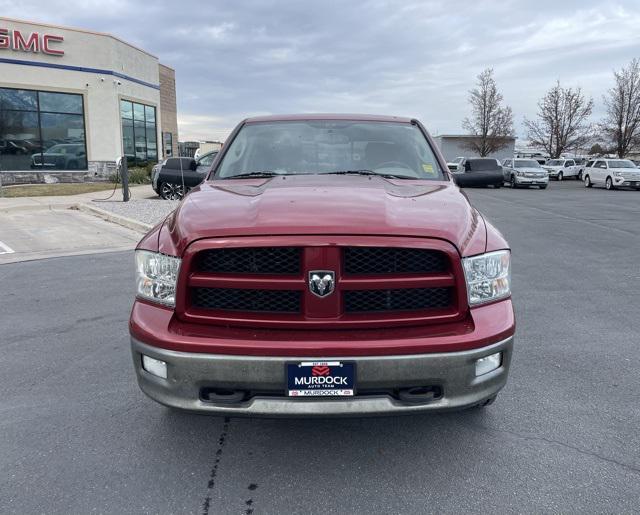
(206, 161)
(571, 162)
(507, 162)
(599, 164)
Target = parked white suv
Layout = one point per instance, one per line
(524, 172)
(562, 168)
(612, 174)
(457, 165)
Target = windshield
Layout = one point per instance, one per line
(526, 163)
(621, 163)
(555, 162)
(328, 146)
(207, 159)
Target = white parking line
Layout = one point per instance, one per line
(5, 249)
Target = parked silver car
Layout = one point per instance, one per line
(524, 172)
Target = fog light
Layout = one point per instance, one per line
(488, 363)
(154, 366)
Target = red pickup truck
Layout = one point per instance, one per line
(328, 265)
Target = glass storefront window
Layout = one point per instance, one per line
(139, 139)
(18, 99)
(63, 141)
(41, 130)
(168, 144)
(126, 110)
(60, 103)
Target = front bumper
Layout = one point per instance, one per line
(532, 181)
(262, 378)
(622, 182)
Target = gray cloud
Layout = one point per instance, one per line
(417, 58)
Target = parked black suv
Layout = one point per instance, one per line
(480, 172)
(175, 176)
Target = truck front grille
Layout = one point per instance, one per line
(251, 260)
(375, 286)
(409, 299)
(392, 260)
(233, 299)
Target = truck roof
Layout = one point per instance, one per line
(328, 116)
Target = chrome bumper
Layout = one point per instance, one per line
(189, 373)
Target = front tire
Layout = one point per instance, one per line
(587, 182)
(579, 176)
(513, 183)
(609, 184)
(170, 191)
(543, 187)
(560, 176)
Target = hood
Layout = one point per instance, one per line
(314, 205)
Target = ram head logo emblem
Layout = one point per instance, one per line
(322, 282)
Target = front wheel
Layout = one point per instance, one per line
(579, 177)
(587, 182)
(170, 191)
(513, 182)
(609, 184)
(560, 176)
(543, 187)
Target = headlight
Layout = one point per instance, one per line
(617, 174)
(488, 276)
(156, 277)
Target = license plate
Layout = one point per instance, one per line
(321, 379)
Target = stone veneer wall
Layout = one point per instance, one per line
(168, 107)
(98, 171)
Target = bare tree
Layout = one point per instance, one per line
(491, 123)
(563, 121)
(621, 125)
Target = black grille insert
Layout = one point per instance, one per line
(258, 260)
(411, 299)
(231, 299)
(392, 260)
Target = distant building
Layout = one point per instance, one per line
(73, 101)
(454, 145)
(196, 148)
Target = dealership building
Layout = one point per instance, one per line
(73, 101)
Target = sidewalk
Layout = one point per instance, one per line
(141, 213)
(65, 202)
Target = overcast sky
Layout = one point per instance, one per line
(418, 58)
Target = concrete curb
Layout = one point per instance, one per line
(130, 223)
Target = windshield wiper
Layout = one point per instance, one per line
(262, 174)
(369, 172)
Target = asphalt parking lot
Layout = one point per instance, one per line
(79, 437)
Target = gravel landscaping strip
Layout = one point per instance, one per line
(149, 211)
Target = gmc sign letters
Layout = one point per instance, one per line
(33, 42)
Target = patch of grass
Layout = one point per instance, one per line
(47, 190)
(139, 175)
